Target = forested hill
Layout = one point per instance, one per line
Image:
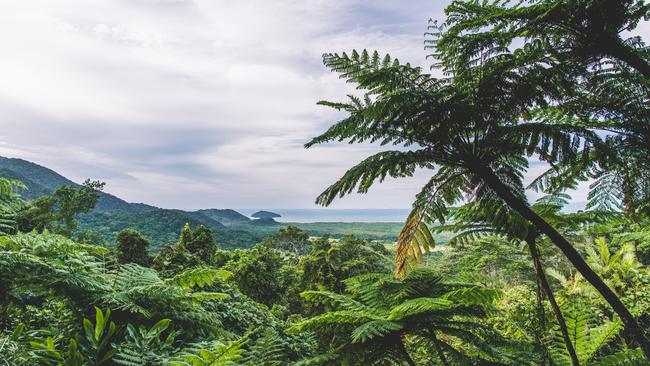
(42, 181)
(162, 226)
(226, 217)
(113, 214)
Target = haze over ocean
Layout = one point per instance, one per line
(336, 215)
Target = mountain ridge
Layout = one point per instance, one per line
(112, 214)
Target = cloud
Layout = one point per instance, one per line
(199, 103)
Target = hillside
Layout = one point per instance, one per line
(42, 181)
(232, 229)
(225, 217)
(113, 214)
(162, 226)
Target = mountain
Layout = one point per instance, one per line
(113, 214)
(265, 215)
(162, 226)
(42, 181)
(226, 217)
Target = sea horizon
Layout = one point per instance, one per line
(347, 215)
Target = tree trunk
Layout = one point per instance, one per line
(620, 51)
(404, 352)
(520, 206)
(543, 282)
(439, 350)
(541, 315)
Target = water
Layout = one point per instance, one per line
(336, 215)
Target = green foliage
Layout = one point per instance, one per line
(10, 204)
(93, 347)
(143, 347)
(171, 260)
(95, 344)
(627, 357)
(14, 347)
(370, 323)
(266, 351)
(210, 354)
(330, 262)
(47, 264)
(58, 211)
(39, 264)
(139, 290)
(551, 79)
(132, 247)
(162, 226)
(47, 354)
(202, 244)
(600, 68)
(256, 273)
(587, 340)
(185, 237)
(91, 237)
(291, 239)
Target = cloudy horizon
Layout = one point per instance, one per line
(193, 103)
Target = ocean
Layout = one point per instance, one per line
(335, 215)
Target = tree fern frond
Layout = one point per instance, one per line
(414, 240)
(372, 329)
(378, 166)
(419, 306)
(199, 277)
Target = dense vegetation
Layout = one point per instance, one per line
(518, 283)
(112, 214)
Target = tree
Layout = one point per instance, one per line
(58, 211)
(202, 243)
(578, 33)
(474, 220)
(132, 247)
(377, 315)
(256, 272)
(51, 265)
(605, 76)
(588, 339)
(185, 237)
(331, 262)
(292, 240)
(192, 250)
(91, 237)
(10, 204)
(468, 128)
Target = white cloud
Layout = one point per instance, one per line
(199, 103)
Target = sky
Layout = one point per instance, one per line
(197, 103)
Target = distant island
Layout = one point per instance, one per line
(265, 218)
(265, 215)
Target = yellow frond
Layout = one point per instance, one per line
(414, 242)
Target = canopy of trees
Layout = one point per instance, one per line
(479, 274)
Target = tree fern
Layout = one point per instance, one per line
(586, 339)
(267, 350)
(10, 203)
(210, 354)
(381, 311)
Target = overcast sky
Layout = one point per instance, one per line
(195, 103)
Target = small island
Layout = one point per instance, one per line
(265, 218)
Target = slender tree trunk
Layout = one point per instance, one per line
(404, 352)
(439, 350)
(541, 315)
(543, 282)
(519, 205)
(620, 51)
